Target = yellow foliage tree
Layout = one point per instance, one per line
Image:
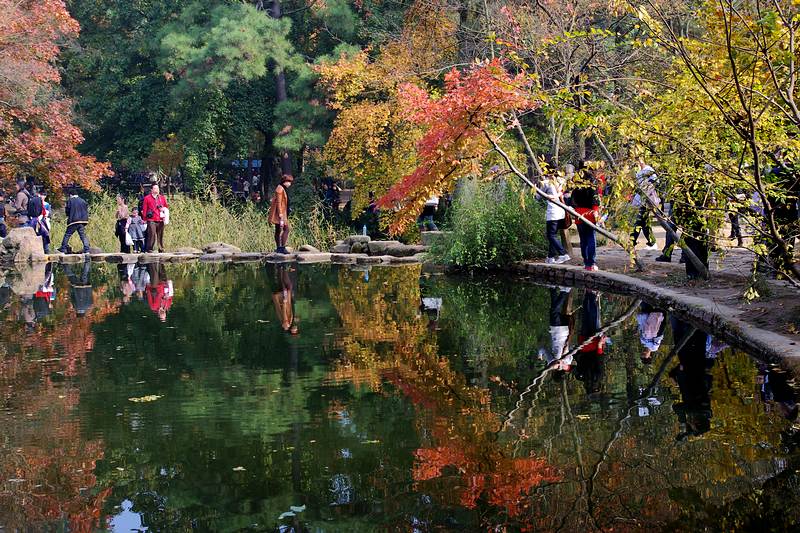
(371, 143)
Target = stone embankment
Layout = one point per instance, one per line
(23, 247)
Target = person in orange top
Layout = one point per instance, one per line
(279, 213)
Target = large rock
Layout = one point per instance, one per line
(352, 239)
(405, 250)
(22, 245)
(341, 249)
(314, 258)
(346, 258)
(220, 248)
(429, 237)
(281, 258)
(246, 257)
(189, 250)
(380, 247)
(308, 249)
(359, 248)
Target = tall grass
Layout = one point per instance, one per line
(195, 223)
(491, 225)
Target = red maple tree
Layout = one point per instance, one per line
(456, 124)
(37, 136)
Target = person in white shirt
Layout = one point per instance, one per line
(555, 218)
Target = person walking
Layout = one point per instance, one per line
(155, 206)
(646, 180)
(428, 211)
(38, 218)
(586, 202)
(555, 219)
(279, 210)
(21, 199)
(121, 229)
(77, 211)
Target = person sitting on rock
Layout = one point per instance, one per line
(279, 210)
(77, 211)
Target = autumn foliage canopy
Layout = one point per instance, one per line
(37, 136)
(456, 126)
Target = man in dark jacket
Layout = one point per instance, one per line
(77, 217)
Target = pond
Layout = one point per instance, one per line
(324, 398)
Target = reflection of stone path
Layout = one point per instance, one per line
(769, 325)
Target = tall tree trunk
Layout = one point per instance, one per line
(281, 95)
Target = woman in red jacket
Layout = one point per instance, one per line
(152, 213)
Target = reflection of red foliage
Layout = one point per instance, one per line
(505, 482)
(43, 452)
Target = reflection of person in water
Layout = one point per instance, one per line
(431, 307)
(775, 390)
(283, 298)
(45, 294)
(590, 365)
(651, 330)
(561, 322)
(80, 288)
(141, 279)
(126, 284)
(159, 290)
(693, 379)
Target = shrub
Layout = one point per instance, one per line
(195, 223)
(491, 225)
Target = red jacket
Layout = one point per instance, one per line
(158, 297)
(152, 205)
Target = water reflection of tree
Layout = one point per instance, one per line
(47, 466)
(385, 339)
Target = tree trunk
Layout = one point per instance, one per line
(281, 95)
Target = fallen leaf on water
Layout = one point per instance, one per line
(120, 469)
(297, 509)
(262, 321)
(583, 417)
(239, 469)
(370, 442)
(287, 514)
(149, 398)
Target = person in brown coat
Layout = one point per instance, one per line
(279, 213)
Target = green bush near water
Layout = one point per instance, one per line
(195, 223)
(491, 225)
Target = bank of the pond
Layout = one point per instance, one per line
(715, 306)
(767, 327)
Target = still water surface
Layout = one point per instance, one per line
(263, 398)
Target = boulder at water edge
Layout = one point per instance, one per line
(22, 245)
(189, 250)
(221, 248)
(352, 239)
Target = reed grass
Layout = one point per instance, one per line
(195, 223)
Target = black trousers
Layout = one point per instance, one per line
(71, 229)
